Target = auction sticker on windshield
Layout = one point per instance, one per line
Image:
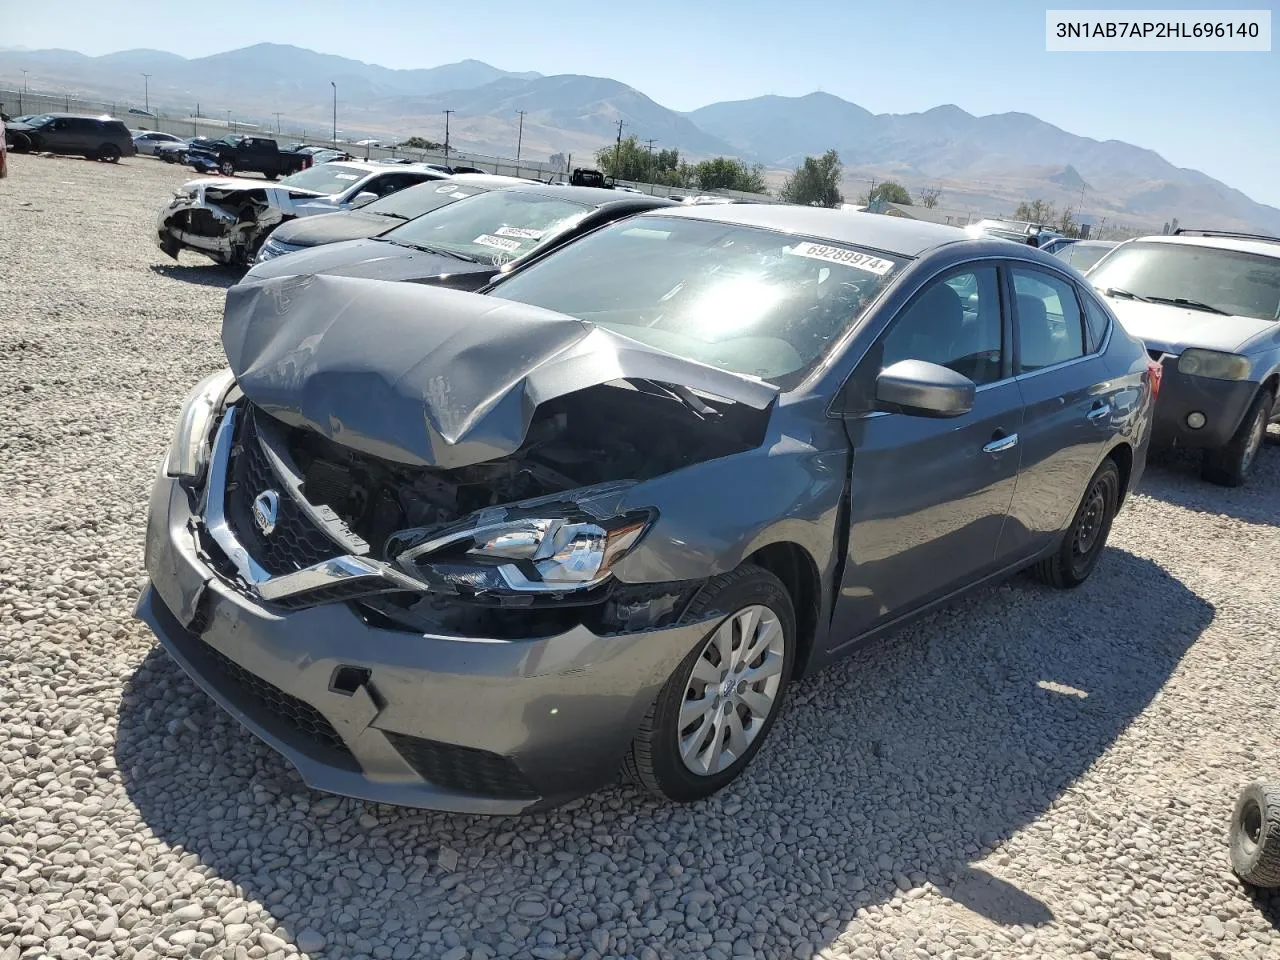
(502, 243)
(843, 256)
(524, 233)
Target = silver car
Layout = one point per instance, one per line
(1207, 306)
(482, 551)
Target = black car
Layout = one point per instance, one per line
(235, 154)
(463, 245)
(377, 217)
(95, 138)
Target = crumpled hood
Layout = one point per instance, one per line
(370, 259)
(1173, 329)
(427, 376)
(333, 228)
(242, 183)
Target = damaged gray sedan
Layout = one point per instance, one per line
(485, 552)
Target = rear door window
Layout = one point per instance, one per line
(1047, 313)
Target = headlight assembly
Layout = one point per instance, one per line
(189, 451)
(526, 555)
(1211, 363)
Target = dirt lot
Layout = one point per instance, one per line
(1029, 773)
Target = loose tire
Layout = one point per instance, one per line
(109, 153)
(1255, 835)
(688, 746)
(227, 168)
(1231, 465)
(1084, 540)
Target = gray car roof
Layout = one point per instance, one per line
(1265, 248)
(908, 238)
(591, 196)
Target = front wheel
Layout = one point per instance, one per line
(1082, 545)
(227, 168)
(1231, 465)
(715, 710)
(1255, 835)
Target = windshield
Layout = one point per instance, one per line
(1229, 281)
(425, 197)
(744, 299)
(39, 120)
(495, 227)
(325, 178)
(1083, 255)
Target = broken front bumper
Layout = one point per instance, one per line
(186, 222)
(465, 724)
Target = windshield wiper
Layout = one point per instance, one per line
(1124, 294)
(388, 213)
(437, 250)
(683, 395)
(1192, 304)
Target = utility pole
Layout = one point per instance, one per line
(446, 136)
(146, 92)
(617, 150)
(277, 123)
(334, 84)
(24, 90)
(520, 137)
(649, 143)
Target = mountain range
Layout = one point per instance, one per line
(986, 163)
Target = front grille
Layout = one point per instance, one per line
(299, 715)
(463, 769)
(296, 542)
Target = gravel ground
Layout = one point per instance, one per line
(1028, 773)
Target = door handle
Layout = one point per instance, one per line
(1100, 412)
(1001, 443)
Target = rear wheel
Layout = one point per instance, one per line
(1082, 545)
(715, 710)
(227, 168)
(109, 153)
(1255, 835)
(1231, 465)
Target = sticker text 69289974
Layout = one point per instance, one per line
(849, 258)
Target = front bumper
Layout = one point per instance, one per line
(174, 228)
(1223, 403)
(465, 724)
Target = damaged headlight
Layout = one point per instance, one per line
(526, 555)
(1214, 364)
(189, 451)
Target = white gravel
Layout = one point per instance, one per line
(1029, 773)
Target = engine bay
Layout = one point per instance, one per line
(610, 432)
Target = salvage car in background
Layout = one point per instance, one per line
(466, 243)
(94, 138)
(149, 142)
(379, 216)
(1207, 305)
(236, 154)
(228, 219)
(1082, 254)
(478, 552)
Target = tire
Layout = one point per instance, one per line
(656, 760)
(1082, 545)
(21, 143)
(109, 153)
(1255, 835)
(272, 176)
(1231, 465)
(227, 168)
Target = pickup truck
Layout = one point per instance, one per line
(235, 154)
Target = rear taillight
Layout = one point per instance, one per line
(1156, 371)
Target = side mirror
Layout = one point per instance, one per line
(362, 198)
(922, 389)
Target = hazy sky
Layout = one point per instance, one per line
(1217, 112)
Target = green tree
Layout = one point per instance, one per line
(889, 192)
(421, 143)
(816, 182)
(727, 173)
(629, 160)
(1038, 211)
